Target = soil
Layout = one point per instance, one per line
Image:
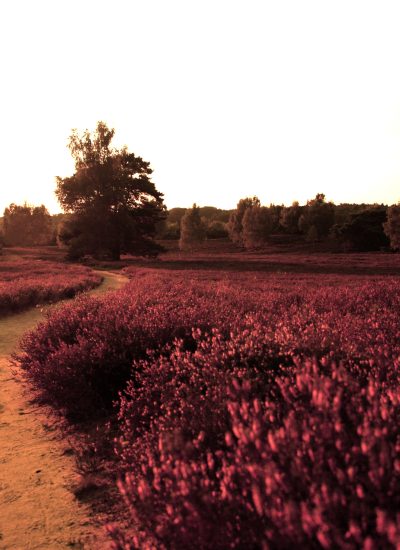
(39, 506)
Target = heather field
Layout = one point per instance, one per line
(237, 407)
(26, 282)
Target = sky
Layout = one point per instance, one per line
(226, 99)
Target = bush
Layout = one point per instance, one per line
(311, 461)
(250, 441)
(81, 357)
(25, 284)
(254, 412)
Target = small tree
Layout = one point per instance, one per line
(317, 212)
(113, 203)
(364, 231)
(257, 225)
(235, 226)
(392, 226)
(193, 231)
(312, 234)
(27, 225)
(289, 218)
(216, 230)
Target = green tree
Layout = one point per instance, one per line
(392, 226)
(363, 232)
(258, 222)
(216, 230)
(193, 231)
(319, 213)
(289, 218)
(235, 226)
(27, 225)
(113, 203)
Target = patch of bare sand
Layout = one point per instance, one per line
(38, 509)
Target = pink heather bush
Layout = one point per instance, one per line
(81, 357)
(25, 284)
(313, 462)
(254, 412)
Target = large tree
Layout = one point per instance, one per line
(113, 203)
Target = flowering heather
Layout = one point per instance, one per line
(27, 283)
(254, 410)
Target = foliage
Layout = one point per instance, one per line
(25, 284)
(312, 234)
(27, 225)
(193, 231)
(216, 230)
(257, 225)
(250, 441)
(113, 202)
(81, 357)
(364, 231)
(253, 413)
(318, 213)
(310, 460)
(289, 218)
(235, 224)
(392, 226)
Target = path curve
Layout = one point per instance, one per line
(37, 507)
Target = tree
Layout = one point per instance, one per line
(193, 231)
(27, 225)
(392, 226)
(312, 234)
(258, 222)
(113, 203)
(319, 213)
(364, 231)
(235, 226)
(289, 218)
(216, 230)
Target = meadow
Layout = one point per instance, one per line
(27, 282)
(242, 401)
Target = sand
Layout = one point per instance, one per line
(38, 509)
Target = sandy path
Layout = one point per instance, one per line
(37, 507)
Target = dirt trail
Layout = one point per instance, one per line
(37, 507)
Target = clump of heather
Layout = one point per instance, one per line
(313, 462)
(25, 283)
(253, 411)
(81, 356)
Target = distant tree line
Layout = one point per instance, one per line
(348, 227)
(345, 227)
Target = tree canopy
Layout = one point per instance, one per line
(26, 225)
(392, 226)
(113, 203)
(193, 231)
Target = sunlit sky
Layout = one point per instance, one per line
(225, 98)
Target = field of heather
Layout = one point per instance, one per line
(28, 282)
(237, 407)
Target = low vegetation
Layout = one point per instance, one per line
(26, 283)
(253, 409)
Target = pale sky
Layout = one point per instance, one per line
(225, 98)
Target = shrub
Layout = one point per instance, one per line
(313, 462)
(24, 284)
